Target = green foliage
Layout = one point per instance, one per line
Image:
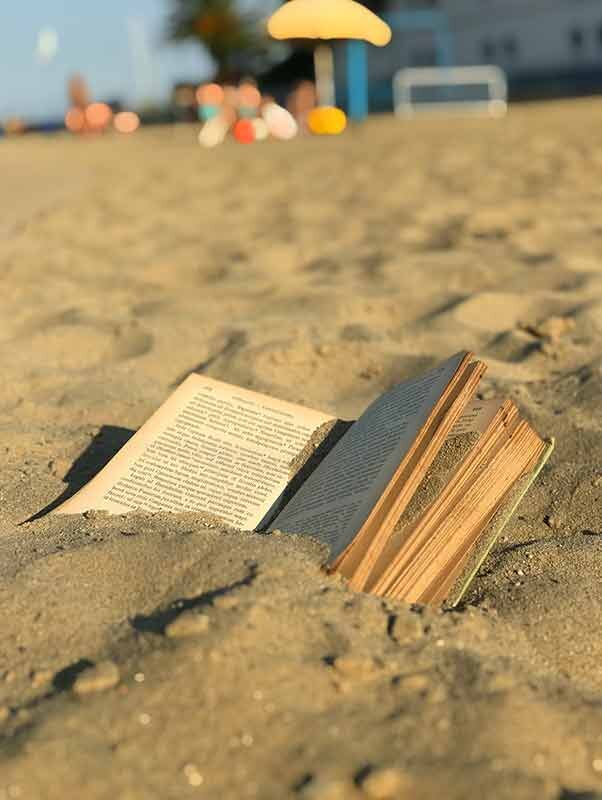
(233, 38)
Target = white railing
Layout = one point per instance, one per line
(492, 78)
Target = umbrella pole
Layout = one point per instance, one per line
(357, 80)
(324, 70)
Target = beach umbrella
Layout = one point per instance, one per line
(327, 19)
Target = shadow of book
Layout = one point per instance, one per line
(158, 621)
(107, 442)
(235, 341)
(64, 680)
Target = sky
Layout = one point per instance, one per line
(118, 45)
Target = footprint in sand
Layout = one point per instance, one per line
(322, 267)
(493, 311)
(588, 318)
(584, 263)
(51, 342)
(531, 248)
(513, 347)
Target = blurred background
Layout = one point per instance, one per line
(150, 56)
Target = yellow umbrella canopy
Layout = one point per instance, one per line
(328, 19)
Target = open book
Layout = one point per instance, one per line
(408, 499)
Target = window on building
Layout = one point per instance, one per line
(576, 39)
(510, 47)
(424, 56)
(600, 35)
(487, 50)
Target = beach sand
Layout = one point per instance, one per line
(151, 657)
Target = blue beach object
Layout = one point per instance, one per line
(208, 112)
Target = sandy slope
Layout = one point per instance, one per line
(319, 271)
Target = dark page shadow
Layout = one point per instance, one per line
(107, 442)
(338, 430)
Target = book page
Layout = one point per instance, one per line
(338, 496)
(458, 444)
(476, 417)
(211, 448)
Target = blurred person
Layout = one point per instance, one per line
(209, 97)
(249, 98)
(301, 101)
(184, 102)
(79, 99)
(230, 96)
(77, 91)
(83, 115)
(216, 126)
(230, 104)
(13, 126)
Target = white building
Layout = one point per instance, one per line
(544, 46)
(527, 36)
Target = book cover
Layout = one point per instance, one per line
(494, 529)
